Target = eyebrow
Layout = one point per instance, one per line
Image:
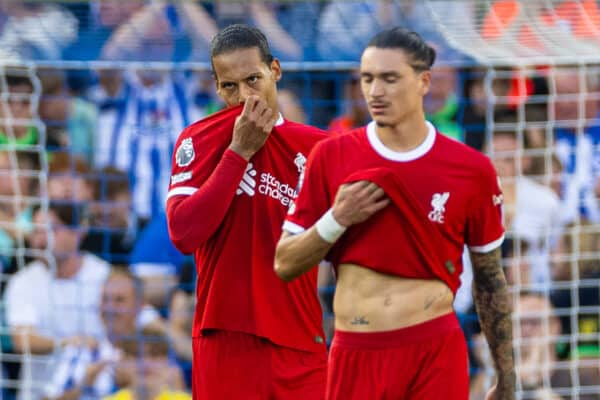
(384, 74)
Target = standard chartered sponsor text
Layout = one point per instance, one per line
(272, 187)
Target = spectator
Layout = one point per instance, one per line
(106, 16)
(285, 24)
(578, 146)
(355, 108)
(69, 179)
(473, 116)
(71, 121)
(18, 113)
(158, 270)
(53, 301)
(18, 185)
(112, 225)
(441, 103)
(537, 332)
(181, 317)
(138, 136)
(95, 373)
(531, 210)
(290, 106)
(151, 375)
(36, 31)
(576, 259)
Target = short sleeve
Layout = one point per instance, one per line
(313, 198)
(20, 310)
(484, 230)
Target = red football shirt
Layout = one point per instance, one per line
(444, 195)
(237, 288)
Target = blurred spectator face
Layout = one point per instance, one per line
(18, 106)
(242, 73)
(392, 88)
(110, 80)
(536, 323)
(113, 213)
(291, 107)
(119, 305)
(65, 238)
(504, 147)
(24, 171)
(69, 186)
(158, 41)
(567, 84)
(114, 12)
(443, 85)
(359, 105)
(67, 179)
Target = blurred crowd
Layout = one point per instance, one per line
(98, 299)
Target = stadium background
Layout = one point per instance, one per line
(93, 93)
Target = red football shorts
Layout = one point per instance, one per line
(234, 365)
(427, 361)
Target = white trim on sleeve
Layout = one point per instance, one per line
(292, 228)
(487, 247)
(182, 190)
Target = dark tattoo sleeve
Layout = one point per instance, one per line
(490, 293)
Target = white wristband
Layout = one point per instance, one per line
(328, 228)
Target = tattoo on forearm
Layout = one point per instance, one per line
(490, 293)
(359, 320)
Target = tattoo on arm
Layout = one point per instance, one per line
(490, 293)
(359, 320)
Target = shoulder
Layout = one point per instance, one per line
(216, 124)
(466, 157)
(34, 270)
(535, 191)
(95, 267)
(344, 141)
(306, 132)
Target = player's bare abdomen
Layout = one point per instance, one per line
(369, 301)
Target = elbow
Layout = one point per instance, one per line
(18, 343)
(283, 268)
(284, 272)
(179, 232)
(182, 245)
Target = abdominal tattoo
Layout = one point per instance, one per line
(359, 320)
(429, 300)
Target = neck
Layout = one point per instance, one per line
(68, 267)
(404, 135)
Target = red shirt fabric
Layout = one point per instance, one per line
(444, 195)
(229, 213)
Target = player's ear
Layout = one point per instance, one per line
(424, 82)
(276, 69)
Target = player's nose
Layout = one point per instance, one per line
(245, 92)
(376, 89)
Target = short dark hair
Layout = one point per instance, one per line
(423, 55)
(240, 36)
(69, 213)
(16, 79)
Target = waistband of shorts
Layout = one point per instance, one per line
(398, 337)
